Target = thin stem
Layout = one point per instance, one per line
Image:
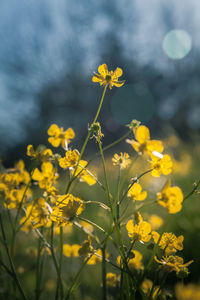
(76, 277)
(10, 261)
(104, 286)
(60, 284)
(38, 275)
(86, 140)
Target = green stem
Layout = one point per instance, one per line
(76, 277)
(11, 262)
(59, 280)
(86, 140)
(38, 275)
(104, 286)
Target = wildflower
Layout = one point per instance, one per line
(87, 227)
(168, 242)
(38, 214)
(173, 263)
(187, 292)
(46, 176)
(70, 159)
(155, 221)
(96, 257)
(16, 196)
(106, 77)
(96, 131)
(136, 193)
(84, 174)
(121, 160)
(171, 198)
(86, 247)
(111, 279)
(161, 164)
(143, 142)
(59, 136)
(139, 232)
(67, 207)
(41, 153)
(147, 286)
(134, 261)
(71, 250)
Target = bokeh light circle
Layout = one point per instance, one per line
(177, 44)
(133, 101)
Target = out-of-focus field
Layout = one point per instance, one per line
(187, 222)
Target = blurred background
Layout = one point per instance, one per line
(49, 50)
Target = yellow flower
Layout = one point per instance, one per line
(84, 174)
(71, 250)
(147, 286)
(46, 176)
(41, 153)
(173, 263)
(59, 136)
(70, 159)
(67, 207)
(139, 232)
(161, 164)
(111, 279)
(171, 198)
(106, 77)
(86, 247)
(143, 142)
(14, 197)
(155, 221)
(38, 214)
(96, 257)
(121, 160)
(136, 193)
(187, 292)
(133, 263)
(169, 242)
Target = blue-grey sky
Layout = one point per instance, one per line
(41, 40)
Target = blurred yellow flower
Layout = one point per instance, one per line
(121, 160)
(161, 164)
(111, 279)
(38, 214)
(71, 250)
(136, 193)
(96, 257)
(84, 174)
(41, 153)
(171, 198)
(133, 263)
(46, 176)
(106, 77)
(143, 142)
(59, 136)
(187, 292)
(139, 232)
(147, 286)
(155, 222)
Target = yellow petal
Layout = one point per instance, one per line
(118, 73)
(130, 226)
(103, 69)
(53, 130)
(97, 78)
(142, 134)
(54, 141)
(37, 175)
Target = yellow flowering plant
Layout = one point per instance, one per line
(48, 206)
